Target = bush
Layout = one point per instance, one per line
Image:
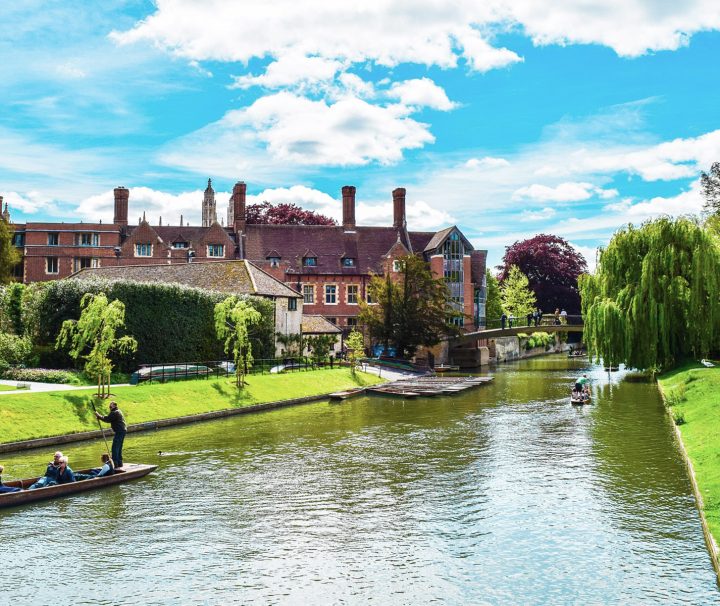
(538, 339)
(172, 323)
(41, 375)
(14, 350)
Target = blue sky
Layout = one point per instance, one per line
(506, 118)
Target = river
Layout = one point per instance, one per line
(504, 494)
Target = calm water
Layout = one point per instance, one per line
(503, 495)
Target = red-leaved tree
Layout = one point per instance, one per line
(552, 266)
(285, 214)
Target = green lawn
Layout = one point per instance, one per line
(8, 387)
(38, 415)
(693, 393)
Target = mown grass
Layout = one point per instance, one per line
(38, 415)
(9, 387)
(693, 394)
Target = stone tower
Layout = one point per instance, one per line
(209, 215)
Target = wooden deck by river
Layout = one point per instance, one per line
(428, 386)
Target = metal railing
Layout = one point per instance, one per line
(162, 373)
(544, 320)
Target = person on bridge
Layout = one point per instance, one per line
(557, 316)
(117, 423)
(563, 317)
(503, 320)
(530, 318)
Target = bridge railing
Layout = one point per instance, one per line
(544, 320)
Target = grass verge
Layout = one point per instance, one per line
(44, 414)
(692, 391)
(9, 388)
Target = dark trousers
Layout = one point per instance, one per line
(116, 449)
(4, 488)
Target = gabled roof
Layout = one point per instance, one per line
(440, 237)
(232, 277)
(313, 324)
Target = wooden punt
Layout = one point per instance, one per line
(580, 402)
(129, 471)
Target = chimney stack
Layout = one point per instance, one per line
(238, 203)
(399, 220)
(121, 205)
(348, 207)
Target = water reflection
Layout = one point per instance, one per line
(502, 495)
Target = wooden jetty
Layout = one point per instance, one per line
(427, 386)
(348, 393)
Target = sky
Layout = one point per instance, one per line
(507, 119)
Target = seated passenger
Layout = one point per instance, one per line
(576, 394)
(4, 488)
(50, 477)
(65, 475)
(108, 468)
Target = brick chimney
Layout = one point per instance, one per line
(348, 206)
(121, 206)
(399, 219)
(238, 201)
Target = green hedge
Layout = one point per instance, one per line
(171, 322)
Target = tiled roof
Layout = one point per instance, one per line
(316, 324)
(233, 277)
(440, 236)
(329, 243)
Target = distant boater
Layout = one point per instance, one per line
(117, 423)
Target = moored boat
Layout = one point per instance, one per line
(129, 471)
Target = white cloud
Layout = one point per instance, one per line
(292, 69)
(486, 162)
(538, 215)
(564, 192)
(421, 92)
(290, 129)
(28, 203)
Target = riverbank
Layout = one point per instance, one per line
(29, 416)
(691, 393)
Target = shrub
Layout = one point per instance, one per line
(41, 375)
(171, 322)
(14, 350)
(679, 418)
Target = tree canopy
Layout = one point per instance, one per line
(493, 301)
(654, 297)
(517, 298)
(710, 187)
(9, 255)
(552, 267)
(285, 214)
(411, 309)
(233, 317)
(93, 336)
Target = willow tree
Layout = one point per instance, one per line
(233, 317)
(94, 337)
(655, 296)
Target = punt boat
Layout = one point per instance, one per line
(129, 471)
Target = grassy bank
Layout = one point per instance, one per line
(8, 388)
(692, 393)
(37, 415)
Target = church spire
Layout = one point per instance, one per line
(209, 215)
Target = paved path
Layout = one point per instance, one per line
(34, 386)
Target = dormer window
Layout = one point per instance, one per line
(309, 261)
(274, 261)
(143, 250)
(215, 250)
(181, 245)
(348, 262)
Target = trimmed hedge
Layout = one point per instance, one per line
(171, 322)
(41, 375)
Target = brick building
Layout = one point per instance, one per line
(330, 266)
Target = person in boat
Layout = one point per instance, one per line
(107, 469)
(51, 472)
(581, 382)
(117, 423)
(4, 488)
(576, 394)
(65, 474)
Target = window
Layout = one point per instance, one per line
(332, 320)
(348, 262)
(330, 294)
(143, 250)
(216, 250)
(397, 266)
(308, 294)
(310, 261)
(352, 294)
(83, 262)
(19, 239)
(352, 322)
(292, 304)
(87, 239)
(51, 265)
(274, 261)
(181, 245)
(53, 239)
(369, 298)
